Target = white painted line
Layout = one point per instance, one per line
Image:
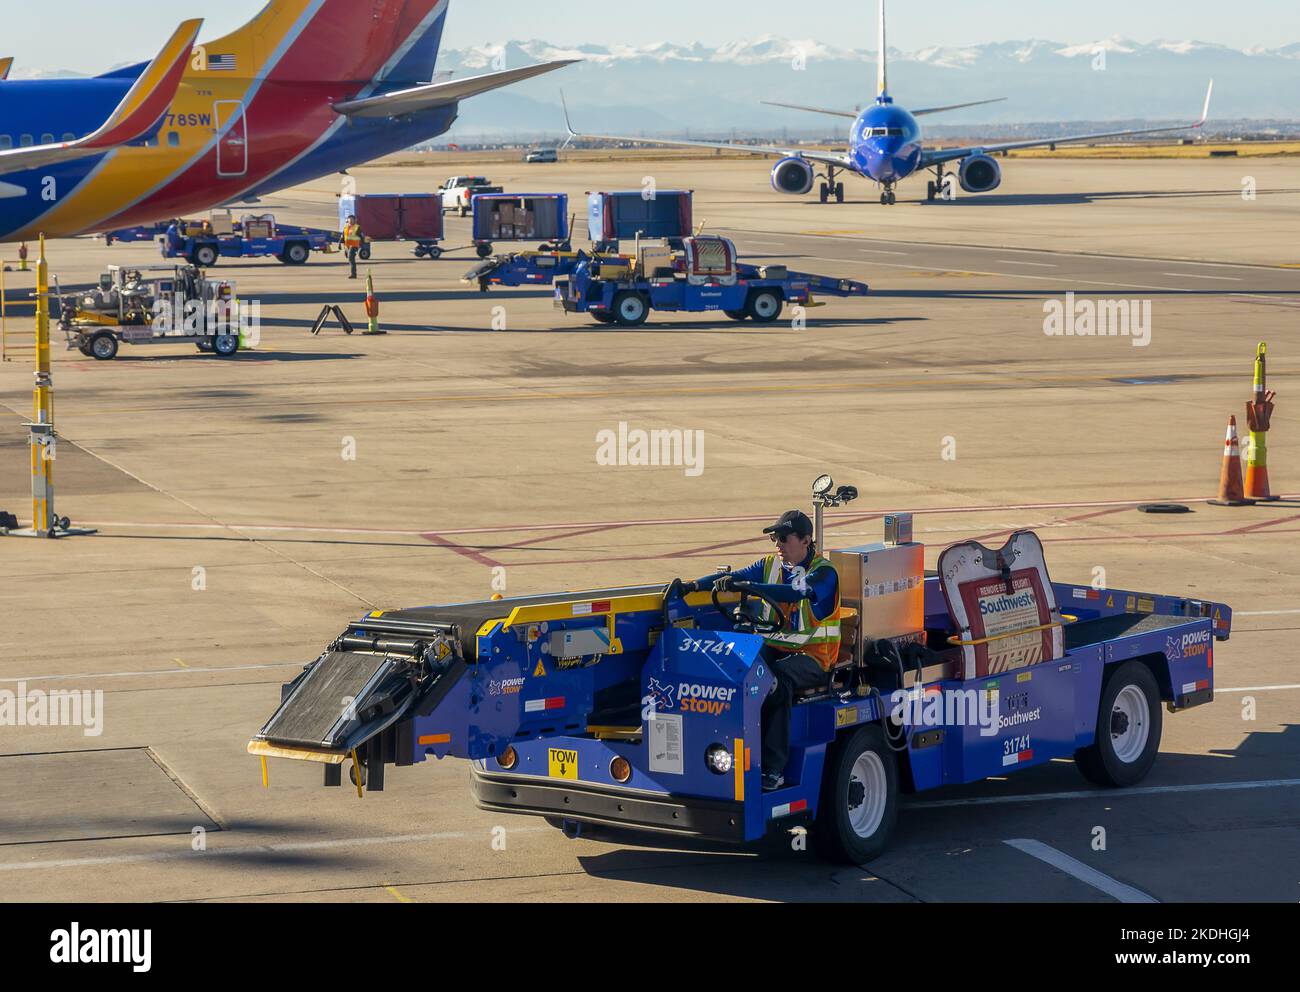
(1268, 613)
(1108, 794)
(1061, 861)
(869, 251)
(1197, 275)
(1037, 265)
(161, 671)
(1259, 688)
(184, 850)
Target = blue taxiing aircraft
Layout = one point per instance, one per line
(885, 147)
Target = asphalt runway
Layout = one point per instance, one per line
(236, 539)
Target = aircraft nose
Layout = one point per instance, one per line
(881, 159)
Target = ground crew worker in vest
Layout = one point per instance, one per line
(352, 241)
(805, 650)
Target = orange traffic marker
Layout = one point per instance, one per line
(1231, 486)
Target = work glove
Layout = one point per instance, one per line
(727, 583)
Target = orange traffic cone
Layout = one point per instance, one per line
(1231, 487)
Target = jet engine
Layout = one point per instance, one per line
(980, 174)
(793, 176)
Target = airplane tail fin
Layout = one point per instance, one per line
(378, 42)
(5, 65)
(882, 72)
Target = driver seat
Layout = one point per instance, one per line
(847, 658)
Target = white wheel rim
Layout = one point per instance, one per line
(1132, 741)
(102, 347)
(869, 773)
(765, 306)
(631, 309)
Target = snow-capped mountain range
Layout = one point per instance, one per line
(660, 88)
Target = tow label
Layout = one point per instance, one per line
(563, 762)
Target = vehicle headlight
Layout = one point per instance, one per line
(719, 759)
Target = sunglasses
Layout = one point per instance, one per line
(781, 536)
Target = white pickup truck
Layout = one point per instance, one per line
(458, 191)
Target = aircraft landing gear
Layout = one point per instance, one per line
(937, 186)
(831, 188)
(888, 197)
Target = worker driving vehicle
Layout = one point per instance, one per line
(804, 648)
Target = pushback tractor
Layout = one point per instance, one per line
(640, 708)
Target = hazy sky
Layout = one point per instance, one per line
(108, 32)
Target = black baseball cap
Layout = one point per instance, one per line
(792, 522)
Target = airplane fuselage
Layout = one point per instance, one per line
(885, 143)
(224, 138)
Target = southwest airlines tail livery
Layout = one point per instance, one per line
(307, 88)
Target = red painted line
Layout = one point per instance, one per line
(460, 549)
(695, 552)
(1267, 523)
(561, 536)
(680, 522)
(1067, 520)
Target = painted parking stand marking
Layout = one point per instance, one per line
(1267, 613)
(1259, 688)
(216, 852)
(1037, 265)
(1077, 869)
(189, 670)
(1108, 795)
(1198, 275)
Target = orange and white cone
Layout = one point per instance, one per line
(1232, 490)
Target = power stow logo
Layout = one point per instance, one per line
(1196, 645)
(712, 700)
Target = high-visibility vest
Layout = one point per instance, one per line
(352, 236)
(819, 638)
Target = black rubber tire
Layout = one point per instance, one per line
(603, 318)
(931, 191)
(633, 317)
(225, 345)
(484, 251)
(737, 314)
(296, 253)
(364, 253)
(85, 350)
(839, 192)
(462, 210)
(205, 347)
(205, 256)
(103, 347)
(764, 306)
(433, 253)
(824, 193)
(833, 832)
(1099, 762)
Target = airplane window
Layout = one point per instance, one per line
(26, 140)
(47, 139)
(174, 139)
(6, 142)
(69, 136)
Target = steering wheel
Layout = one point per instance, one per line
(741, 616)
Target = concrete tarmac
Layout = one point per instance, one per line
(248, 508)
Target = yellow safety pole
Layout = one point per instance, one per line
(42, 426)
(1259, 414)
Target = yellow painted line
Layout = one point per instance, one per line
(181, 663)
(392, 891)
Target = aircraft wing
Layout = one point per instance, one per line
(931, 158)
(956, 106)
(441, 94)
(135, 117)
(839, 161)
(811, 110)
(5, 65)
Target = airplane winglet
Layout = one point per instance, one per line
(5, 65)
(568, 124)
(1205, 114)
(148, 100)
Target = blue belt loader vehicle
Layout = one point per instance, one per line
(641, 709)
